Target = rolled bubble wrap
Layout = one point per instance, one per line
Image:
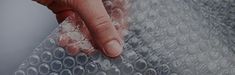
(165, 37)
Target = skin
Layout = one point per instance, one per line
(96, 19)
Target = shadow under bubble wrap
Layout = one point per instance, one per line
(165, 37)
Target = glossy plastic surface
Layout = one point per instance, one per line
(165, 37)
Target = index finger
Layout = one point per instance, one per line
(99, 24)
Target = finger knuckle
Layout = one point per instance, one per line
(102, 24)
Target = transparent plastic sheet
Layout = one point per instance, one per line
(165, 37)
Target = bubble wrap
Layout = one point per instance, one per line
(165, 37)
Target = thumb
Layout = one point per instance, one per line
(99, 24)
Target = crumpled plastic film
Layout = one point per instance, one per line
(165, 37)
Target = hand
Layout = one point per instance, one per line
(96, 18)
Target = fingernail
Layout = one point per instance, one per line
(113, 48)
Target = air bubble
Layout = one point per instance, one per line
(78, 70)
(140, 18)
(203, 57)
(187, 72)
(223, 62)
(224, 72)
(49, 44)
(24, 65)
(68, 62)
(56, 65)
(183, 29)
(170, 43)
(215, 43)
(34, 60)
(32, 71)
(182, 40)
(37, 50)
(114, 71)
(164, 69)
(171, 31)
(212, 67)
(137, 73)
(127, 68)
(118, 60)
(173, 74)
(91, 67)
(65, 72)
(104, 64)
(195, 27)
(151, 71)
(44, 69)
(19, 72)
(177, 63)
(204, 34)
(147, 38)
(53, 73)
(96, 55)
(59, 53)
(153, 60)
(192, 49)
(232, 70)
(101, 73)
(140, 65)
(46, 56)
(144, 51)
(204, 46)
(130, 55)
(193, 38)
(81, 58)
(134, 41)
